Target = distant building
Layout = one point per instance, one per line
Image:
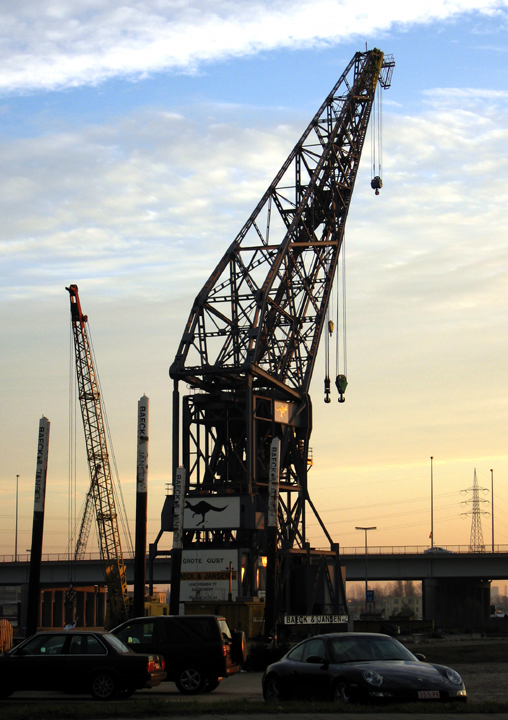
(412, 606)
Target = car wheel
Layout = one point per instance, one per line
(342, 693)
(104, 687)
(190, 681)
(211, 685)
(273, 690)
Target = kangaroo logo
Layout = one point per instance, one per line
(202, 508)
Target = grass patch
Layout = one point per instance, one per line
(153, 708)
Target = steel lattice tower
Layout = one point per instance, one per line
(476, 543)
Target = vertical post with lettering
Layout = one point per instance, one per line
(271, 541)
(141, 508)
(176, 555)
(37, 528)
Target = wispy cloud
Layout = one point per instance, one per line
(51, 45)
(161, 194)
(145, 195)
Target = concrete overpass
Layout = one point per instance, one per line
(455, 584)
(383, 564)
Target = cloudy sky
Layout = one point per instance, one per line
(135, 140)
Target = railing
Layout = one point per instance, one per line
(416, 550)
(372, 550)
(57, 557)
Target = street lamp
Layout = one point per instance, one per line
(431, 503)
(366, 529)
(16, 525)
(492, 503)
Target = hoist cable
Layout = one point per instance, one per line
(337, 317)
(380, 126)
(376, 134)
(328, 332)
(372, 130)
(72, 494)
(341, 297)
(327, 344)
(344, 329)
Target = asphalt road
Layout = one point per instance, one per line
(240, 686)
(483, 682)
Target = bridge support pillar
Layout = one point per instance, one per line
(456, 602)
(430, 598)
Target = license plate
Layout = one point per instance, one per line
(428, 694)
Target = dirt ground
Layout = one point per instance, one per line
(482, 663)
(486, 681)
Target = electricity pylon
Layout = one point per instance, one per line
(476, 543)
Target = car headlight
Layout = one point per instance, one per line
(372, 677)
(453, 676)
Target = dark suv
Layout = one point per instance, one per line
(199, 650)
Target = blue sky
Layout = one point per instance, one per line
(135, 140)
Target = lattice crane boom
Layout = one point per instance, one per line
(263, 308)
(100, 498)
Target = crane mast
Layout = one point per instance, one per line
(100, 497)
(250, 344)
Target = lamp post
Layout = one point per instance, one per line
(492, 503)
(431, 504)
(366, 529)
(16, 528)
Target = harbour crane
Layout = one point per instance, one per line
(248, 352)
(100, 499)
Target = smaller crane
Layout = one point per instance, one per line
(101, 494)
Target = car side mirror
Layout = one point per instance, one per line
(420, 657)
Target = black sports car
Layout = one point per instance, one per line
(359, 667)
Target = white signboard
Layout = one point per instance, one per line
(178, 492)
(206, 574)
(211, 512)
(142, 470)
(42, 465)
(314, 619)
(273, 483)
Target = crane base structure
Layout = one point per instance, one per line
(241, 454)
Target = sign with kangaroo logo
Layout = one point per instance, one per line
(211, 512)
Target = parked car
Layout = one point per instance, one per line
(74, 661)
(358, 667)
(438, 551)
(199, 650)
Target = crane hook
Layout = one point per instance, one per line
(376, 184)
(341, 383)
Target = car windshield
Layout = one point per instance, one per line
(363, 648)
